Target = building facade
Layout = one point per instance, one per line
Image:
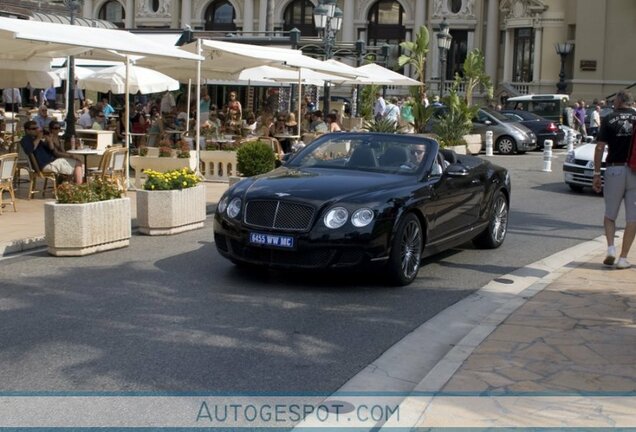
(517, 37)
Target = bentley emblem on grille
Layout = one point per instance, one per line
(281, 194)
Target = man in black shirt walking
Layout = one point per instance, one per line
(620, 181)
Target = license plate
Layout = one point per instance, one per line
(272, 240)
(588, 173)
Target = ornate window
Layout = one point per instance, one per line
(454, 6)
(300, 14)
(155, 5)
(523, 54)
(114, 12)
(386, 18)
(220, 16)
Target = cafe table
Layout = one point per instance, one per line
(85, 152)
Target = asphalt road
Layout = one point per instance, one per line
(169, 314)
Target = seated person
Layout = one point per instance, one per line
(107, 108)
(99, 120)
(250, 124)
(42, 118)
(85, 121)
(332, 121)
(49, 157)
(317, 124)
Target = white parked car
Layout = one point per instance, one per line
(578, 168)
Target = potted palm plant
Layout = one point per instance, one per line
(171, 202)
(87, 218)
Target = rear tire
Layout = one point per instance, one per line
(493, 236)
(406, 251)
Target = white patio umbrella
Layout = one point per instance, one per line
(222, 60)
(79, 72)
(141, 80)
(375, 74)
(20, 78)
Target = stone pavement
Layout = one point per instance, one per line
(24, 229)
(563, 357)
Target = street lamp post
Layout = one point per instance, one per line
(328, 19)
(563, 49)
(73, 6)
(443, 43)
(361, 47)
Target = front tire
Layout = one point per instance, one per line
(506, 145)
(494, 235)
(406, 251)
(575, 188)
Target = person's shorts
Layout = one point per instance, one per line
(620, 185)
(61, 166)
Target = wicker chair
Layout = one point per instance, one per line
(7, 172)
(36, 173)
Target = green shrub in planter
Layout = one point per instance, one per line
(255, 158)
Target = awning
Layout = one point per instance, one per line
(26, 39)
(62, 19)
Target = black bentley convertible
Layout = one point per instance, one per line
(352, 199)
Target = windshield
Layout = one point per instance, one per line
(384, 153)
(496, 114)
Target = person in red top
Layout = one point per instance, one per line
(234, 105)
(620, 181)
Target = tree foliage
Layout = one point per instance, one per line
(475, 75)
(415, 56)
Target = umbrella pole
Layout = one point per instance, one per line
(127, 120)
(188, 107)
(198, 122)
(300, 98)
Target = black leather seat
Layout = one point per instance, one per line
(363, 157)
(449, 155)
(394, 157)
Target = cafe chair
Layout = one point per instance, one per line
(113, 166)
(36, 173)
(8, 163)
(102, 168)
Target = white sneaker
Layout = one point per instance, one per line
(623, 264)
(611, 256)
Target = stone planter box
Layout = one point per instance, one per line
(172, 211)
(160, 164)
(473, 143)
(218, 165)
(83, 229)
(459, 149)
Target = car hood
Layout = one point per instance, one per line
(321, 185)
(586, 152)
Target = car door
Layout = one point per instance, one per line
(455, 201)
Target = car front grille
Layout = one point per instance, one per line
(280, 215)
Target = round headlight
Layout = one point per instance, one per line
(234, 208)
(362, 217)
(336, 217)
(222, 205)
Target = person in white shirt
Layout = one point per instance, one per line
(12, 99)
(595, 121)
(167, 103)
(379, 106)
(392, 111)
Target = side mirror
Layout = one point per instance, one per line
(456, 170)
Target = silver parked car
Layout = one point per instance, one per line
(508, 136)
(578, 168)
